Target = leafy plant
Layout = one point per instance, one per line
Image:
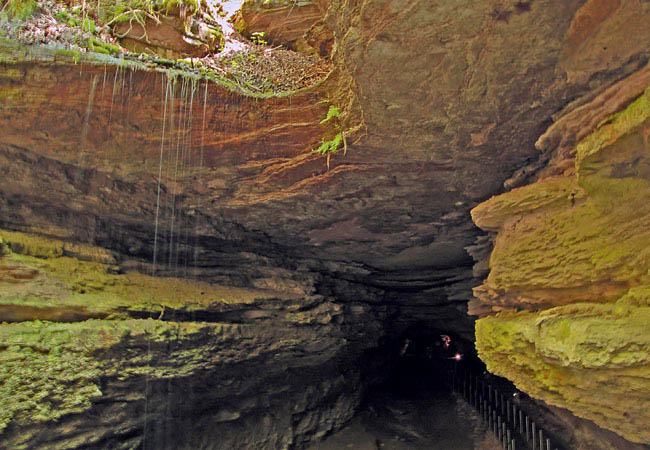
(17, 9)
(330, 146)
(258, 38)
(333, 112)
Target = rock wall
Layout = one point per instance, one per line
(294, 24)
(164, 362)
(566, 305)
(441, 104)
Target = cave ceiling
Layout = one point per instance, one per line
(451, 97)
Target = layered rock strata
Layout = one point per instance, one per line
(163, 362)
(440, 101)
(294, 24)
(570, 271)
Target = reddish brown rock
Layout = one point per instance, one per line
(169, 36)
(441, 103)
(572, 250)
(294, 24)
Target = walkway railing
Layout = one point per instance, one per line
(509, 423)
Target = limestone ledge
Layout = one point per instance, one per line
(81, 338)
(573, 252)
(128, 375)
(589, 358)
(582, 236)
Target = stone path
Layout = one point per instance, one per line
(413, 412)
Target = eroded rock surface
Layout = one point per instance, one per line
(572, 250)
(294, 24)
(442, 104)
(164, 362)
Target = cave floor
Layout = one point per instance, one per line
(413, 411)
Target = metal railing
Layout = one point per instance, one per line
(504, 418)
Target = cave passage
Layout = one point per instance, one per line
(415, 407)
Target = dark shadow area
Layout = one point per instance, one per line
(415, 407)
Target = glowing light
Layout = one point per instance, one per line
(458, 356)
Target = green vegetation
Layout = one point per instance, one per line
(95, 45)
(66, 281)
(615, 127)
(114, 11)
(31, 245)
(559, 354)
(278, 4)
(258, 38)
(579, 242)
(585, 230)
(48, 370)
(332, 112)
(332, 145)
(17, 9)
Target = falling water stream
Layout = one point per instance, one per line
(397, 419)
(168, 88)
(89, 107)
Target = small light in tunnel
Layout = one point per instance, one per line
(458, 356)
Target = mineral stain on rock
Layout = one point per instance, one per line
(179, 268)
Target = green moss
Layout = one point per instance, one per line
(552, 192)
(49, 370)
(4, 249)
(615, 127)
(12, 52)
(638, 296)
(114, 11)
(595, 241)
(43, 375)
(559, 354)
(19, 10)
(68, 281)
(95, 45)
(590, 252)
(32, 245)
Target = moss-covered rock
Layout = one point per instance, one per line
(31, 245)
(49, 370)
(591, 359)
(578, 237)
(65, 275)
(575, 249)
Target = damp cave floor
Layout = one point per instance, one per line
(413, 411)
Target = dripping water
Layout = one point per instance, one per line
(89, 107)
(129, 94)
(168, 87)
(160, 165)
(186, 167)
(181, 113)
(123, 76)
(171, 135)
(200, 171)
(110, 114)
(104, 81)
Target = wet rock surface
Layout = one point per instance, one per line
(414, 409)
(571, 253)
(202, 366)
(442, 106)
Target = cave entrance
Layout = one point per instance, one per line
(414, 407)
